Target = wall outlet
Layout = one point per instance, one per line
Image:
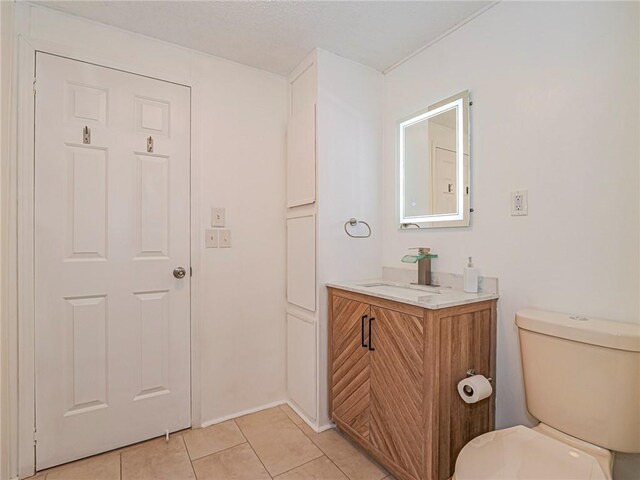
(519, 203)
(217, 217)
(225, 239)
(211, 238)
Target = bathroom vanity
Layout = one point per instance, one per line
(396, 355)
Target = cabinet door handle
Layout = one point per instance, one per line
(364, 317)
(370, 334)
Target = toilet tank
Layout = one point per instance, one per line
(582, 376)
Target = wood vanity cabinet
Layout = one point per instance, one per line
(393, 375)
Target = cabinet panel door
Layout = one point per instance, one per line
(301, 261)
(301, 364)
(396, 423)
(301, 157)
(350, 367)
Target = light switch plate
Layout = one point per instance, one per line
(211, 238)
(225, 239)
(519, 203)
(217, 217)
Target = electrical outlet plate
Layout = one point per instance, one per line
(519, 203)
(211, 238)
(225, 239)
(217, 217)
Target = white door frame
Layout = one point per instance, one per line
(21, 233)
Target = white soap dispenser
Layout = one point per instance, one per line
(470, 278)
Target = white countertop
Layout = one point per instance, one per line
(423, 296)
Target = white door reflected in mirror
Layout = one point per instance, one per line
(433, 149)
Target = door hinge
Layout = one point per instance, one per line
(35, 437)
(191, 271)
(34, 86)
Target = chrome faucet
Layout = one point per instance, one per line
(423, 259)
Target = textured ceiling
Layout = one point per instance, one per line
(277, 35)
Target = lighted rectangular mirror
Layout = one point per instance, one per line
(433, 160)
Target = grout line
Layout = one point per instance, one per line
(259, 459)
(352, 444)
(240, 430)
(292, 468)
(186, 450)
(219, 451)
(303, 464)
(325, 454)
(216, 453)
(251, 446)
(337, 466)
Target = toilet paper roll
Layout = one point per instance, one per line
(475, 388)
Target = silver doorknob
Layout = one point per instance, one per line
(179, 272)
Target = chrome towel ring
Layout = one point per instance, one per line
(352, 222)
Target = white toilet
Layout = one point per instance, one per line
(582, 381)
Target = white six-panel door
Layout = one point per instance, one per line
(112, 222)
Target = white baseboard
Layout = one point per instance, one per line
(316, 428)
(322, 428)
(294, 407)
(208, 423)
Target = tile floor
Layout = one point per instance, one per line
(271, 444)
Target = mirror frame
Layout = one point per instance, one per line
(461, 218)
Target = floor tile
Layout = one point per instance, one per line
(319, 469)
(100, 467)
(279, 443)
(237, 463)
(290, 412)
(144, 443)
(157, 460)
(350, 459)
(201, 442)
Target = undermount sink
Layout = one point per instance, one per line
(416, 292)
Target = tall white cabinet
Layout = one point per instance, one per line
(334, 140)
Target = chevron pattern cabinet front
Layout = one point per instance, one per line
(351, 365)
(397, 387)
(393, 374)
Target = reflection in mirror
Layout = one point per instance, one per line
(434, 165)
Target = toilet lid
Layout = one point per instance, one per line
(524, 454)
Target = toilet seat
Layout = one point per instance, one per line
(525, 454)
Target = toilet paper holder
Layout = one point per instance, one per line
(471, 372)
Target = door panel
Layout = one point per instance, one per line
(396, 427)
(350, 381)
(111, 223)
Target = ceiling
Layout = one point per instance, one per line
(276, 35)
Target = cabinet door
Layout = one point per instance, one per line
(396, 419)
(350, 364)
(301, 158)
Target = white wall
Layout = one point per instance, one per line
(242, 150)
(238, 146)
(555, 90)
(349, 147)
